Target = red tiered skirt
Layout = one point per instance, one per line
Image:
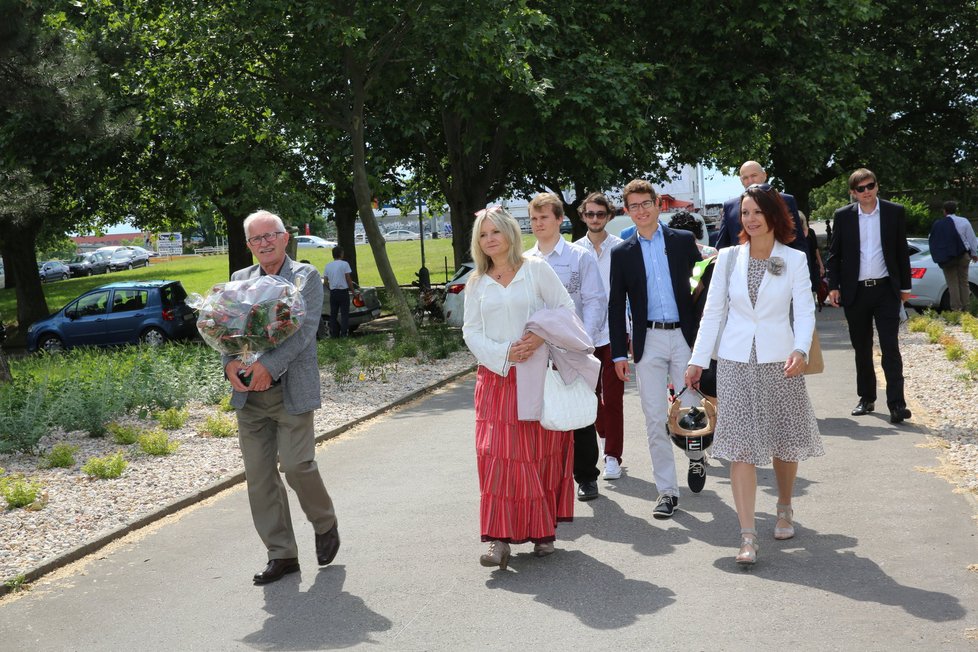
(526, 473)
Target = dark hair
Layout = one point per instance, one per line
(638, 187)
(950, 206)
(337, 252)
(859, 176)
(596, 198)
(775, 213)
(687, 222)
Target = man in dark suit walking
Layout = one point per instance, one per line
(651, 270)
(752, 173)
(274, 399)
(869, 275)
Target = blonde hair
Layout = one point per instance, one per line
(510, 229)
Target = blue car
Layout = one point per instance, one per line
(127, 312)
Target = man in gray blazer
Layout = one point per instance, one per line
(274, 399)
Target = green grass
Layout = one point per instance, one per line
(199, 273)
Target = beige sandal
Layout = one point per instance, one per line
(785, 513)
(748, 547)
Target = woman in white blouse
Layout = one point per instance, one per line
(525, 472)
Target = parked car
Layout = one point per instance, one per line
(127, 258)
(305, 241)
(455, 295)
(364, 308)
(3, 277)
(143, 250)
(96, 262)
(401, 234)
(566, 226)
(928, 287)
(126, 312)
(53, 270)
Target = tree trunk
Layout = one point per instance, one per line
(364, 198)
(4, 368)
(239, 256)
(19, 254)
(345, 216)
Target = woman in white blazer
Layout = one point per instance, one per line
(764, 409)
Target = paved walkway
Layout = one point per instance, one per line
(879, 563)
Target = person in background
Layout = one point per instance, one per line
(339, 280)
(596, 211)
(953, 247)
(579, 274)
(869, 275)
(685, 221)
(765, 411)
(525, 483)
(815, 265)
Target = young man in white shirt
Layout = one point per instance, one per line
(597, 211)
(339, 280)
(578, 273)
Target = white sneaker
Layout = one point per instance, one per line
(612, 471)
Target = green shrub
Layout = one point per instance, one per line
(225, 404)
(105, 468)
(19, 491)
(919, 218)
(918, 324)
(61, 456)
(971, 364)
(124, 434)
(25, 416)
(952, 317)
(934, 332)
(172, 418)
(219, 425)
(157, 442)
(969, 323)
(94, 402)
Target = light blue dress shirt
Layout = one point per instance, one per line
(658, 281)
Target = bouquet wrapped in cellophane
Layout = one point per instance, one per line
(246, 318)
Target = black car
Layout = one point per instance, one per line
(53, 270)
(126, 258)
(96, 262)
(566, 226)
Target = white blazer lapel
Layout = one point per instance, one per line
(769, 278)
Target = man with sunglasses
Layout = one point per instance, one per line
(751, 173)
(869, 275)
(596, 211)
(274, 400)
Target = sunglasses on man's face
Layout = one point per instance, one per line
(864, 187)
(591, 214)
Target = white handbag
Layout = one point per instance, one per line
(567, 407)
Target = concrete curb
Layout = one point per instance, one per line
(92, 545)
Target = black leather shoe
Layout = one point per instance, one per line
(327, 545)
(587, 491)
(863, 407)
(897, 415)
(276, 569)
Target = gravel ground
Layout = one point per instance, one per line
(79, 508)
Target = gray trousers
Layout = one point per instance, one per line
(273, 440)
(956, 275)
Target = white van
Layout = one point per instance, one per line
(622, 222)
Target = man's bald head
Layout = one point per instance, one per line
(752, 172)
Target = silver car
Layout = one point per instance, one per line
(455, 295)
(928, 286)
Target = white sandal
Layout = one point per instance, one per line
(748, 547)
(785, 513)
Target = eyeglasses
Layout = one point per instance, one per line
(758, 186)
(264, 237)
(647, 205)
(864, 187)
(590, 214)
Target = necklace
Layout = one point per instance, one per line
(501, 273)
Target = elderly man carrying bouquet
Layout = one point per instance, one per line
(274, 398)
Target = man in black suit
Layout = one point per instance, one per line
(651, 270)
(751, 173)
(869, 274)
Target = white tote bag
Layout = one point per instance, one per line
(567, 407)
